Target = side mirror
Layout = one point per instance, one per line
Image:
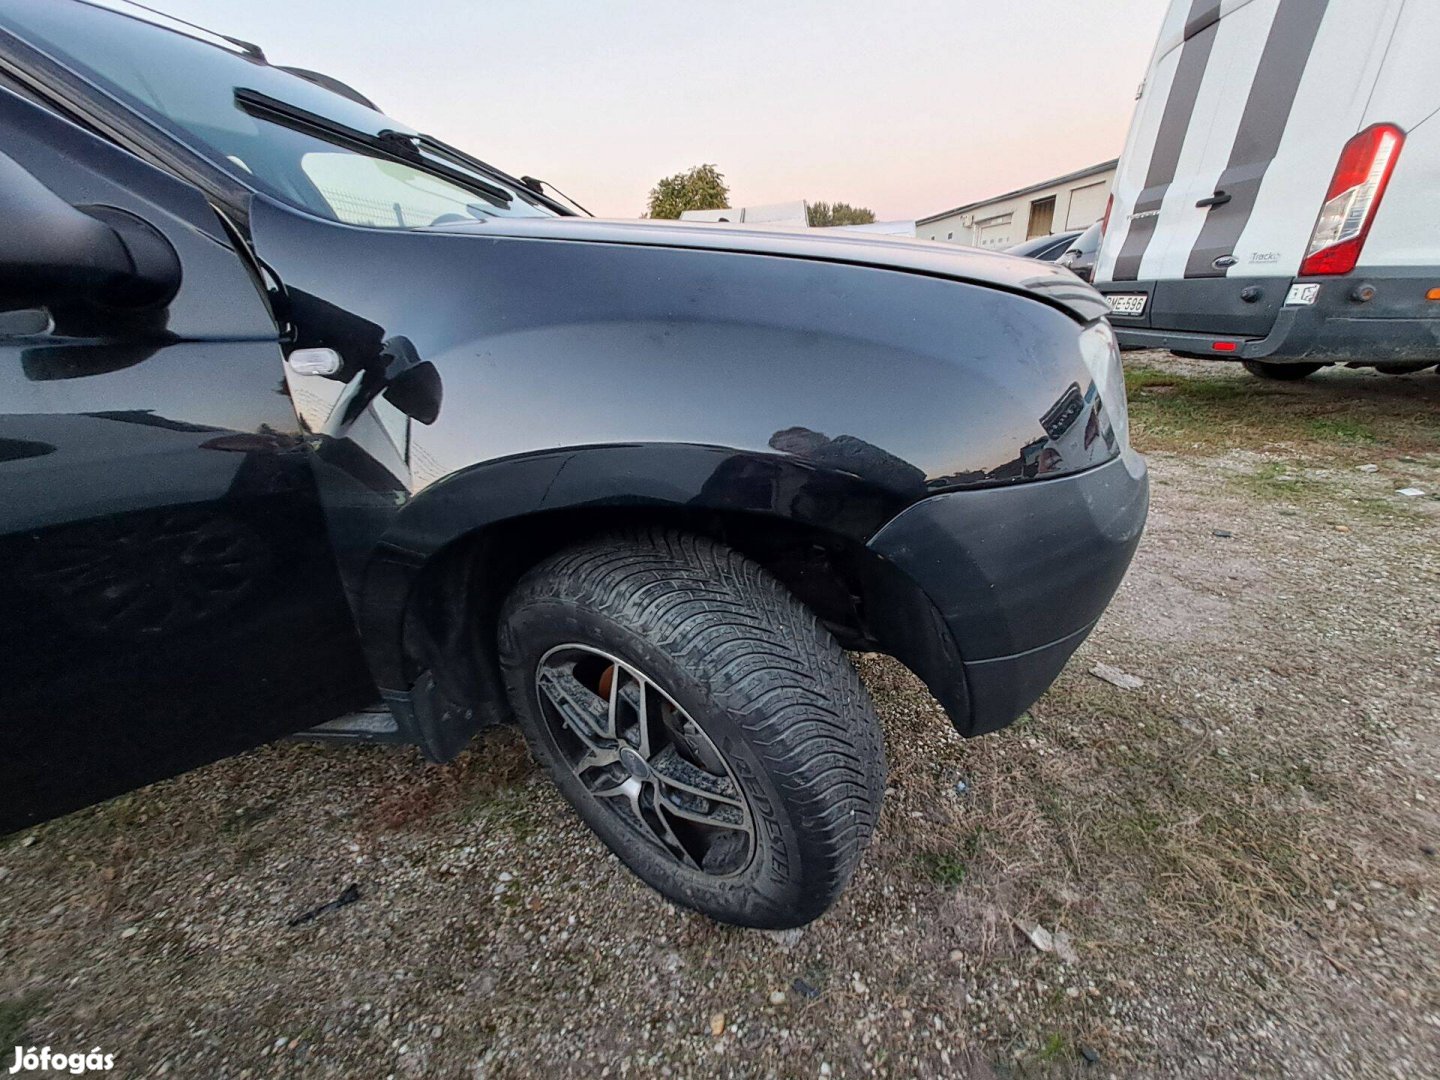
(412, 385)
(417, 392)
(52, 252)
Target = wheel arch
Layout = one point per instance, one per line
(435, 584)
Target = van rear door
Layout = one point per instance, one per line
(1277, 172)
(1157, 133)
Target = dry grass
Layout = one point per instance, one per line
(1105, 806)
(480, 782)
(1222, 836)
(1241, 852)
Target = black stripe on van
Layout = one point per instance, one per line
(1169, 138)
(1267, 109)
(1201, 16)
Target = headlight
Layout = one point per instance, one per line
(1101, 354)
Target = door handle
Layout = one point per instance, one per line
(1220, 198)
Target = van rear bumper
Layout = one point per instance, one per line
(1396, 325)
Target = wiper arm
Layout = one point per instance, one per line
(539, 186)
(432, 145)
(397, 146)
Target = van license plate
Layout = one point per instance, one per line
(1126, 303)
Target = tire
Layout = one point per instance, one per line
(1280, 372)
(735, 669)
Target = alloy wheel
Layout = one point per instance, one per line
(644, 758)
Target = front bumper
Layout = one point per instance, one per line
(1017, 577)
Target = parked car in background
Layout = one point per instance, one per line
(303, 411)
(1045, 248)
(1079, 257)
(1275, 201)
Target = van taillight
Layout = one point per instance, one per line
(1105, 221)
(1350, 204)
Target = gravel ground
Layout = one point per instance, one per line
(1229, 870)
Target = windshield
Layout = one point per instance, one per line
(188, 86)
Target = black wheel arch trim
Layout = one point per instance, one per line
(431, 586)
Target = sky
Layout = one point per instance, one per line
(909, 108)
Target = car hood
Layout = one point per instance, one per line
(1051, 284)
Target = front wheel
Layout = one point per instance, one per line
(699, 719)
(1280, 372)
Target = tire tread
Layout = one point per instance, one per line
(765, 658)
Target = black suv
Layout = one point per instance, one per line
(311, 419)
(1044, 248)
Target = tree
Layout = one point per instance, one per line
(819, 214)
(700, 188)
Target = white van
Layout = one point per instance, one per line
(1278, 199)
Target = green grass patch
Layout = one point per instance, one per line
(1343, 429)
(1332, 500)
(1282, 481)
(1339, 412)
(1055, 1048)
(950, 868)
(509, 809)
(944, 870)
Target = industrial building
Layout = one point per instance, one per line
(1073, 201)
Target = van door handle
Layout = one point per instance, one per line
(1220, 198)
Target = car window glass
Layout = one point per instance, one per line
(385, 194)
(187, 86)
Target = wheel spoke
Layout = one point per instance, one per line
(580, 709)
(612, 706)
(635, 694)
(642, 717)
(595, 758)
(677, 774)
(716, 815)
(660, 828)
(613, 789)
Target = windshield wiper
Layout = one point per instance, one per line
(539, 186)
(432, 145)
(397, 146)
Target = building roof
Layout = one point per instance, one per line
(1079, 174)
